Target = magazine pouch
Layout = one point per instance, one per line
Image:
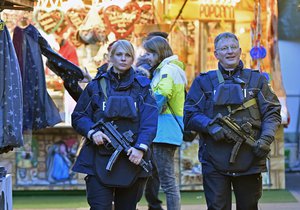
(120, 107)
(229, 94)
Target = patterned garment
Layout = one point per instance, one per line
(39, 110)
(11, 112)
(68, 71)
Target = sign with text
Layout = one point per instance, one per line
(209, 12)
(205, 12)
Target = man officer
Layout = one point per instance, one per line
(245, 97)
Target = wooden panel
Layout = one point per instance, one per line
(17, 4)
(27, 3)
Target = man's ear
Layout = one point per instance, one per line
(216, 55)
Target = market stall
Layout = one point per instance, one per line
(255, 24)
(192, 25)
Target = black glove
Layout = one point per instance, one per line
(217, 132)
(261, 148)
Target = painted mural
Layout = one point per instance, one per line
(46, 164)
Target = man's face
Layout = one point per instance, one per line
(228, 53)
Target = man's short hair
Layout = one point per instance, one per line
(225, 35)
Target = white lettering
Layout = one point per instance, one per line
(103, 105)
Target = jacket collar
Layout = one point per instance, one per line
(167, 60)
(121, 81)
(236, 71)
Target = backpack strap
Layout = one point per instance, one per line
(245, 105)
(220, 77)
(214, 79)
(103, 85)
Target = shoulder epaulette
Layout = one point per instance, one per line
(142, 80)
(203, 74)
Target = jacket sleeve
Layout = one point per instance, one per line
(269, 107)
(83, 112)
(148, 117)
(194, 117)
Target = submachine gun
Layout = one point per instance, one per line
(235, 133)
(119, 142)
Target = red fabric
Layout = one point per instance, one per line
(68, 51)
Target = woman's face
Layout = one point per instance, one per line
(121, 60)
(152, 58)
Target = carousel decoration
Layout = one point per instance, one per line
(258, 51)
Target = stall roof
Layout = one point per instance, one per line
(17, 4)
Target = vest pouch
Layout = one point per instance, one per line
(229, 94)
(123, 173)
(120, 107)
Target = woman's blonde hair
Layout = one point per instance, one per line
(159, 46)
(125, 45)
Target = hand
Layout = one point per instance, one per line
(261, 148)
(217, 132)
(86, 76)
(135, 155)
(99, 137)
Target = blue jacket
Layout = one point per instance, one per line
(200, 109)
(91, 105)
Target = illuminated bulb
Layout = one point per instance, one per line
(242, 30)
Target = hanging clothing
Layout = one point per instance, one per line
(69, 72)
(39, 111)
(11, 113)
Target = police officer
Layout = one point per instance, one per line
(245, 96)
(121, 96)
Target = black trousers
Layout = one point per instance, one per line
(218, 189)
(101, 197)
